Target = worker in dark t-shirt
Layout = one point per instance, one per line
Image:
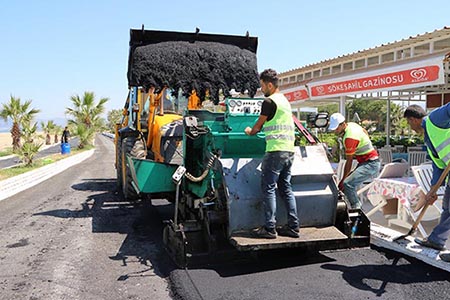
(276, 121)
(268, 108)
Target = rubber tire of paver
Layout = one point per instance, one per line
(135, 148)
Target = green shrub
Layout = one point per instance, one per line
(412, 141)
(330, 139)
(379, 140)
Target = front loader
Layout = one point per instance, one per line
(182, 138)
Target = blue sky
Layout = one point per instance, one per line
(51, 50)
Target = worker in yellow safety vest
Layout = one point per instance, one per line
(357, 145)
(276, 118)
(436, 131)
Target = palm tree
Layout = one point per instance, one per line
(56, 130)
(86, 115)
(84, 134)
(85, 110)
(48, 129)
(30, 147)
(18, 112)
(114, 116)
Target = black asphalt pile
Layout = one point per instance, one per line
(200, 66)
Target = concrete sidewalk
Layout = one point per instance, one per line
(19, 183)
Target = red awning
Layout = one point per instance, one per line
(420, 72)
(297, 94)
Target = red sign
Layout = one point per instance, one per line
(297, 95)
(407, 77)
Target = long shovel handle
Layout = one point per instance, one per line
(433, 190)
(419, 218)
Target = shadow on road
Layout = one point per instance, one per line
(263, 261)
(138, 220)
(142, 224)
(376, 278)
(96, 185)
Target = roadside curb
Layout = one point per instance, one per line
(19, 183)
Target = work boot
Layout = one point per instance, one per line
(264, 233)
(288, 231)
(445, 257)
(430, 244)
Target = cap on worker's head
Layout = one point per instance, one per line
(335, 120)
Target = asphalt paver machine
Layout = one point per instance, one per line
(190, 148)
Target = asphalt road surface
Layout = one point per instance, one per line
(56, 148)
(71, 237)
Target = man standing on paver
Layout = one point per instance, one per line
(276, 121)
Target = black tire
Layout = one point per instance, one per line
(135, 148)
(146, 200)
(138, 149)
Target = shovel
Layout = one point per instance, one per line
(433, 190)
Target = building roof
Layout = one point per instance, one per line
(405, 49)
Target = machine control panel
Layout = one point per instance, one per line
(245, 106)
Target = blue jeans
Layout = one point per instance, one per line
(276, 173)
(441, 232)
(363, 172)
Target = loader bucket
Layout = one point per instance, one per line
(152, 177)
(139, 37)
(206, 63)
